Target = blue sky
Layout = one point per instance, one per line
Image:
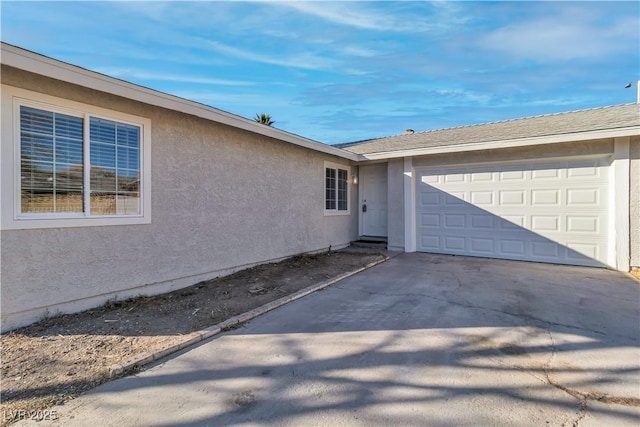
(346, 71)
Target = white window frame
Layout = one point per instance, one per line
(336, 166)
(10, 185)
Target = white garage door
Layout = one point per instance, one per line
(549, 212)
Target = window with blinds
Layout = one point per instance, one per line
(57, 176)
(342, 190)
(115, 167)
(51, 161)
(336, 190)
(330, 189)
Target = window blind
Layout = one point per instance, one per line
(51, 161)
(115, 167)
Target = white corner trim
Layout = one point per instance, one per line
(619, 229)
(360, 200)
(39, 64)
(409, 206)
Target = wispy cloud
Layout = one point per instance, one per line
(572, 35)
(223, 100)
(128, 73)
(462, 96)
(393, 17)
(303, 60)
(342, 13)
(360, 51)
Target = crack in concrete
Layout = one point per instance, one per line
(585, 396)
(597, 396)
(582, 397)
(582, 412)
(543, 322)
(583, 404)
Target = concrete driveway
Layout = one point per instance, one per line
(419, 340)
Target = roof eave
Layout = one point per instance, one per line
(510, 143)
(38, 64)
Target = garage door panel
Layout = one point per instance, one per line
(430, 179)
(482, 198)
(512, 176)
(430, 242)
(482, 222)
(584, 224)
(545, 173)
(454, 221)
(512, 197)
(583, 196)
(582, 171)
(545, 197)
(479, 245)
(454, 177)
(430, 198)
(510, 247)
(545, 249)
(553, 212)
(482, 177)
(454, 243)
(511, 222)
(455, 198)
(578, 250)
(430, 220)
(545, 223)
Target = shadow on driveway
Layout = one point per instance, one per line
(421, 339)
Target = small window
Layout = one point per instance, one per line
(336, 189)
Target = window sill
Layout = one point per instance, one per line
(337, 213)
(35, 223)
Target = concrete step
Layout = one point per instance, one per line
(370, 243)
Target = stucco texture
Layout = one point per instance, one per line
(221, 198)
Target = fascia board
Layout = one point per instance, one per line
(48, 67)
(512, 143)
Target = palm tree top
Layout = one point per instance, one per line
(263, 118)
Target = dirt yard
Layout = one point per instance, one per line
(59, 358)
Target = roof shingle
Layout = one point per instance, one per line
(603, 118)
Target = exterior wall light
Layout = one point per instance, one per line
(354, 179)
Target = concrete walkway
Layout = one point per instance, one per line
(419, 340)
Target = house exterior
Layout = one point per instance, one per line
(111, 190)
(215, 193)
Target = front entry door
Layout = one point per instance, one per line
(373, 200)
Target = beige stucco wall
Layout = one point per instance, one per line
(634, 201)
(221, 198)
